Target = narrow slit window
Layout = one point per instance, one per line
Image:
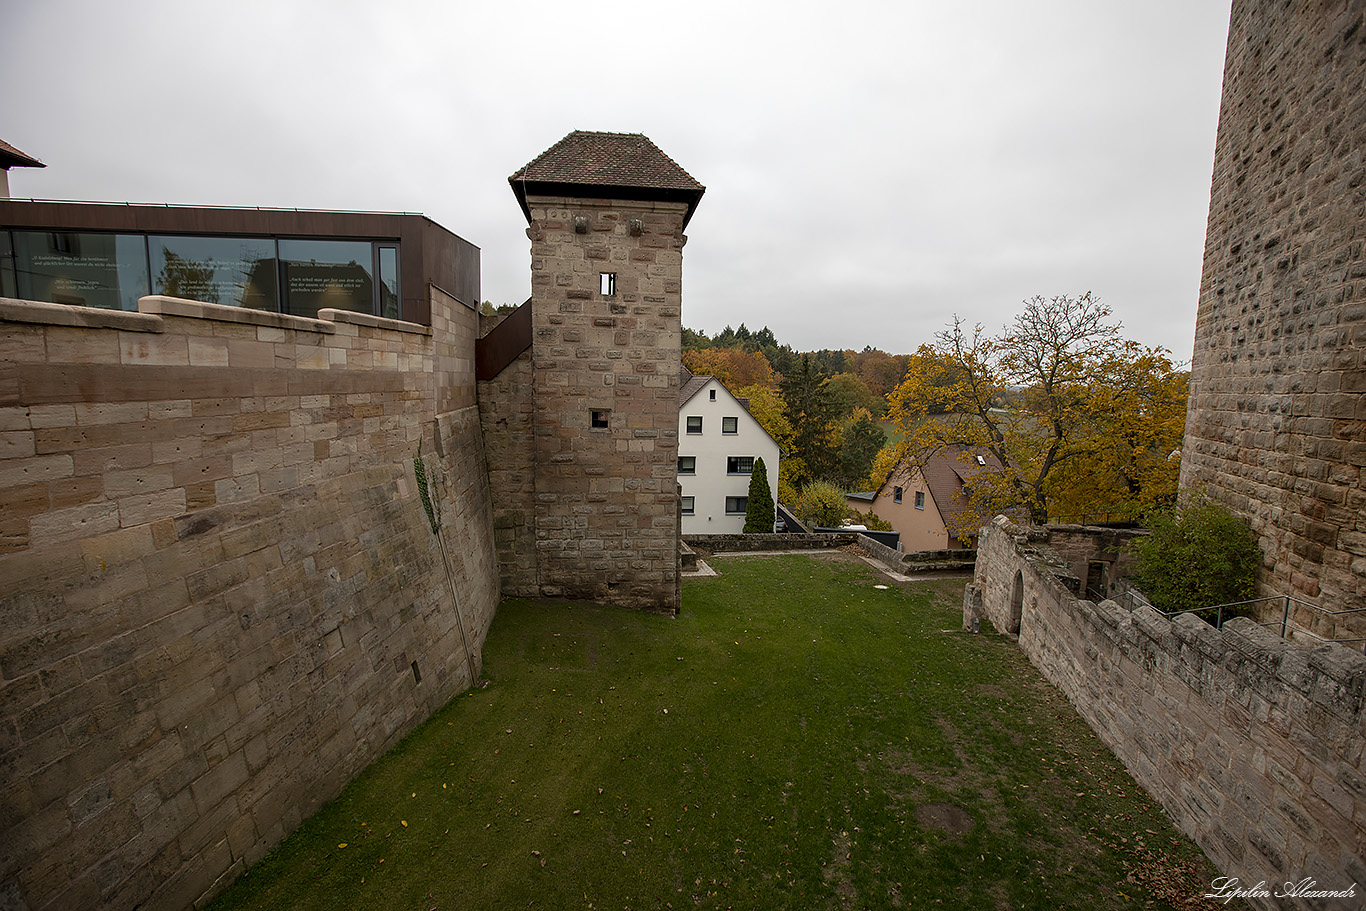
(601, 418)
(608, 283)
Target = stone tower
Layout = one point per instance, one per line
(1276, 427)
(607, 213)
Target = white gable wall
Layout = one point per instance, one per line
(710, 486)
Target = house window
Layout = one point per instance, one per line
(694, 423)
(687, 464)
(730, 425)
(600, 419)
(735, 506)
(713, 394)
(607, 283)
(687, 505)
(739, 464)
(896, 494)
(920, 499)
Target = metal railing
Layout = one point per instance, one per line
(1130, 598)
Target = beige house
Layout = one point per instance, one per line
(923, 504)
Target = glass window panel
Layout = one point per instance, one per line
(319, 274)
(687, 464)
(688, 506)
(234, 271)
(730, 425)
(735, 505)
(87, 270)
(388, 283)
(6, 266)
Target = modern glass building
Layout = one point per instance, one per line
(284, 261)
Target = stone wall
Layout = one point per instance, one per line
(506, 412)
(1253, 744)
(606, 498)
(220, 597)
(1276, 427)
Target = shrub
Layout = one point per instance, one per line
(871, 520)
(1198, 555)
(759, 511)
(822, 503)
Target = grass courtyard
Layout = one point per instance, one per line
(796, 738)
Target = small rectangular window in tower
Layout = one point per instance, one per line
(609, 283)
(730, 425)
(600, 418)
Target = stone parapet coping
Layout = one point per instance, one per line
(177, 306)
(23, 311)
(330, 315)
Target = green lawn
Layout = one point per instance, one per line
(796, 738)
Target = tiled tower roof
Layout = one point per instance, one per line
(606, 166)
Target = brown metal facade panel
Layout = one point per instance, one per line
(504, 344)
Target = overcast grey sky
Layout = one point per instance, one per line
(871, 167)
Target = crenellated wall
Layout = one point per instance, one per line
(1255, 745)
(220, 595)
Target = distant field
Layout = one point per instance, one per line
(795, 739)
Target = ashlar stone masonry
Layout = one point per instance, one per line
(1277, 416)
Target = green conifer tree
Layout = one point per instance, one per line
(759, 508)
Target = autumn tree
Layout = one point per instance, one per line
(735, 367)
(1092, 418)
(849, 392)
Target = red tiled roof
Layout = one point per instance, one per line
(606, 165)
(945, 472)
(10, 157)
(607, 159)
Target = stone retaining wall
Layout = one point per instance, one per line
(1253, 744)
(220, 597)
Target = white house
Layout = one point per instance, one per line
(718, 441)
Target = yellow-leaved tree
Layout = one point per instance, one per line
(1083, 421)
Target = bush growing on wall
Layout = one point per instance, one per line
(1198, 555)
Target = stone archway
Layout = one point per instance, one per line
(1016, 603)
